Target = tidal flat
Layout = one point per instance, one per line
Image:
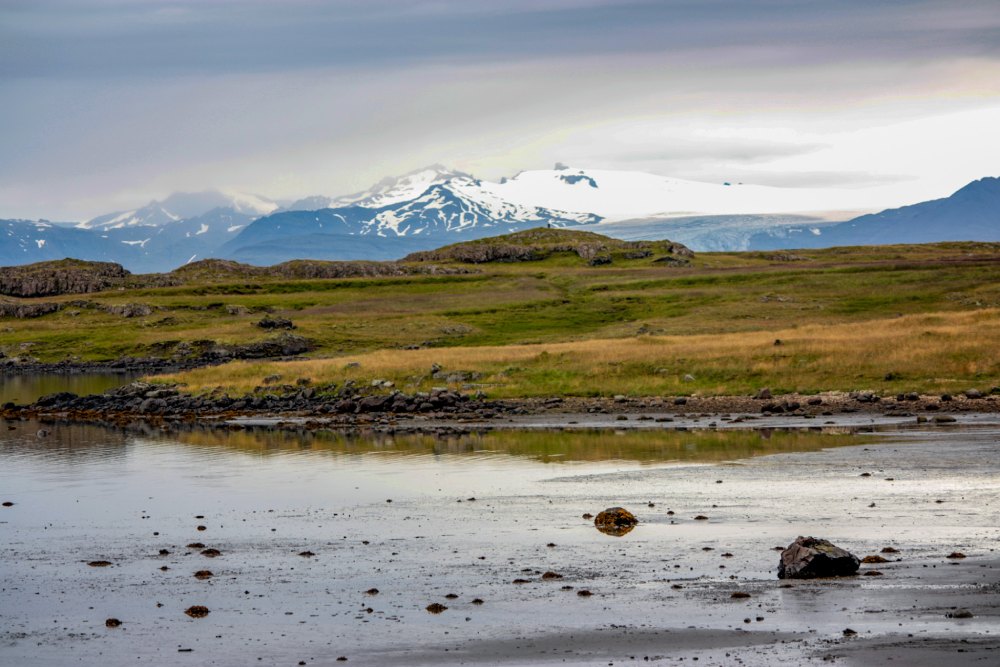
(333, 544)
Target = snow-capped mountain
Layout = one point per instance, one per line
(167, 246)
(456, 204)
(180, 206)
(436, 206)
(28, 241)
(395, 190)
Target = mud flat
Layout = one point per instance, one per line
(314, 563)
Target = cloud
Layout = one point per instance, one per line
(108, 103)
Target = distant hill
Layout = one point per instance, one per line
(538, 244)
(971, 214)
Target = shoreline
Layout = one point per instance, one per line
(351, 407)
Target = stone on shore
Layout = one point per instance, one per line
(615, 521)
(810, 557)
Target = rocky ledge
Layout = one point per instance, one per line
(350, 404)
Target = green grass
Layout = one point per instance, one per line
(559, 300)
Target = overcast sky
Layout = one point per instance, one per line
(106, 104)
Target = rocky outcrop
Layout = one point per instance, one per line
(23, 311)
(303, 269)
(538, 244)
(128, 309)
(65, 276)
(810, 557)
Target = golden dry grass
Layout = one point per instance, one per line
(945, 351)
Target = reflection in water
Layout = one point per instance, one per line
(25, 389)
(74, 442)
(555, 446)
(60, 443)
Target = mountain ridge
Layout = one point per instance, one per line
(429, 207)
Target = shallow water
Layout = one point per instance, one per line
(25, 389)
(86, 493)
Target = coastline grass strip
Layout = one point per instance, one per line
(932, 352)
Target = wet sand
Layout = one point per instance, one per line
(662, 592)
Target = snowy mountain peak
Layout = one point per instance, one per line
(180, 206)
(394, 190)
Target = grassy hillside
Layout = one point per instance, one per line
(848, 318)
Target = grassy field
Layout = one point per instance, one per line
(886, 318)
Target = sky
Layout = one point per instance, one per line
(108, 104)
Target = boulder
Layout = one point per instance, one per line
(615, 521)
(810, 557)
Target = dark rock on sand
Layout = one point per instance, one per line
(616, 521)
(112, 623)
(197, 611)
(809, 557)
(436, 608)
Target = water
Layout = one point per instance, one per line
(25, 389)
(468, 515)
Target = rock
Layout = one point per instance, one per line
(764, 393)
(616, 521)
(956, 555)
(112, 623)
(809, 557)
(874, 559)
(128, 309)
(269, 322)
(57, 399)
(960, 613)
(105, 563)
(203, 574)
(436, 608)
(197, 611)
